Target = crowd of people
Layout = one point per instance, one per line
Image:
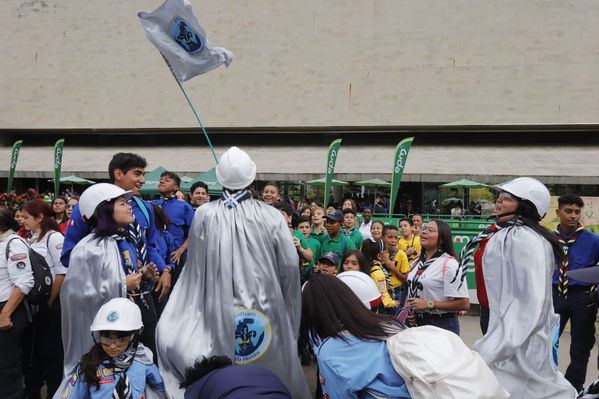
(106, 295)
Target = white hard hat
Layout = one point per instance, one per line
(529, 189)
(118, 314)
(235, 169)
(98, 193)
(363, 286)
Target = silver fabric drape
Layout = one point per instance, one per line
(521, 343)
(94, 277)
(240, 259)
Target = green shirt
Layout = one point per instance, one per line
(355, 236)
(318, 236)
(306, 268)
(341, 244)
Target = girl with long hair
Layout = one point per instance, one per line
(47, 240)
(374, 251)
(519, 260)
(436, 291)
(117, 366)
(59, 210)
(349, 342)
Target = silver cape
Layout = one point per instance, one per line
(238, 258)
(521, 343)
(94, 277)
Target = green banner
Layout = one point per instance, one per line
(331, 159)
(57, 165)
(14, 156)
(399, 164)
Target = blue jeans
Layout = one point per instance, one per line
(446, 321)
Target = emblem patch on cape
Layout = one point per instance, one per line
(186, 36)
(21, 265)
(252, 335)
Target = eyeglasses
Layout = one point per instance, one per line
(427, 229)
(117, 341)
(505, 196)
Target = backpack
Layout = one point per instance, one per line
(435, 363)
(42, 276)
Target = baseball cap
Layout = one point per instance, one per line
(335, 215)
(330, 256)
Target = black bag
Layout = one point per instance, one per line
(42, 276)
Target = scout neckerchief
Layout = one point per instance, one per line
(566, 243)
(164, 200)
(387, 275)
(414, 285)
(231, 200)
(135, 234)
(348, 232)
(470, 248)
(128, 264)
(120, 365)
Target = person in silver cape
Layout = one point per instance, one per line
(521, 343)
(239, 293)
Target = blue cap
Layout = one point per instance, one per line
(335, 215)
(330, 256)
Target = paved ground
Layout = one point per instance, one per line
(470, 333)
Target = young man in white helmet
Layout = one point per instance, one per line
(239, 293)
(103, 266)
(117, 365)
(521, 343)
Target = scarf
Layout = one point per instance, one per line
(135, 234)
(562, 286)
(120, 364)
(348, 233)
(387, 277)
(231, 200)
(414, 285)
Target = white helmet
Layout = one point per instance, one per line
(529, 189)
(118, 314)
(98, 193)
(235, 169)
(363, 286)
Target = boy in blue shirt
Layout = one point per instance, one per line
(180, 214)
(573, 300)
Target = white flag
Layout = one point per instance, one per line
(177, 34)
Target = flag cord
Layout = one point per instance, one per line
(199, 121)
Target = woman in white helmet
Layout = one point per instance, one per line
(103, 266)
(521, 343)
(117, 366)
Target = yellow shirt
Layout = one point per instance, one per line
(402, 264)
(378, 275)
(403, 244)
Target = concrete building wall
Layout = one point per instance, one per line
(87, 64)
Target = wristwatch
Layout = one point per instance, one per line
(430, 304)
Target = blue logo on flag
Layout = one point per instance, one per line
(252, 335)
(186, 36)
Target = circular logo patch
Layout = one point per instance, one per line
(252, 335)
(21, 265)
(48, 280)
(112, 316)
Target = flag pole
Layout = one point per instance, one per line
(192, 108)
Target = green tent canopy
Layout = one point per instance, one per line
(464, 183)
(152, 179)
(373, 183)
(451, 199)
(75, 180)
(214, 187)
(320, 182)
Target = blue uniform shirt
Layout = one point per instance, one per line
(78, 228)
(341, 379)
(180, 214)
(139, 374)
(583, 253)
(166, 246)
